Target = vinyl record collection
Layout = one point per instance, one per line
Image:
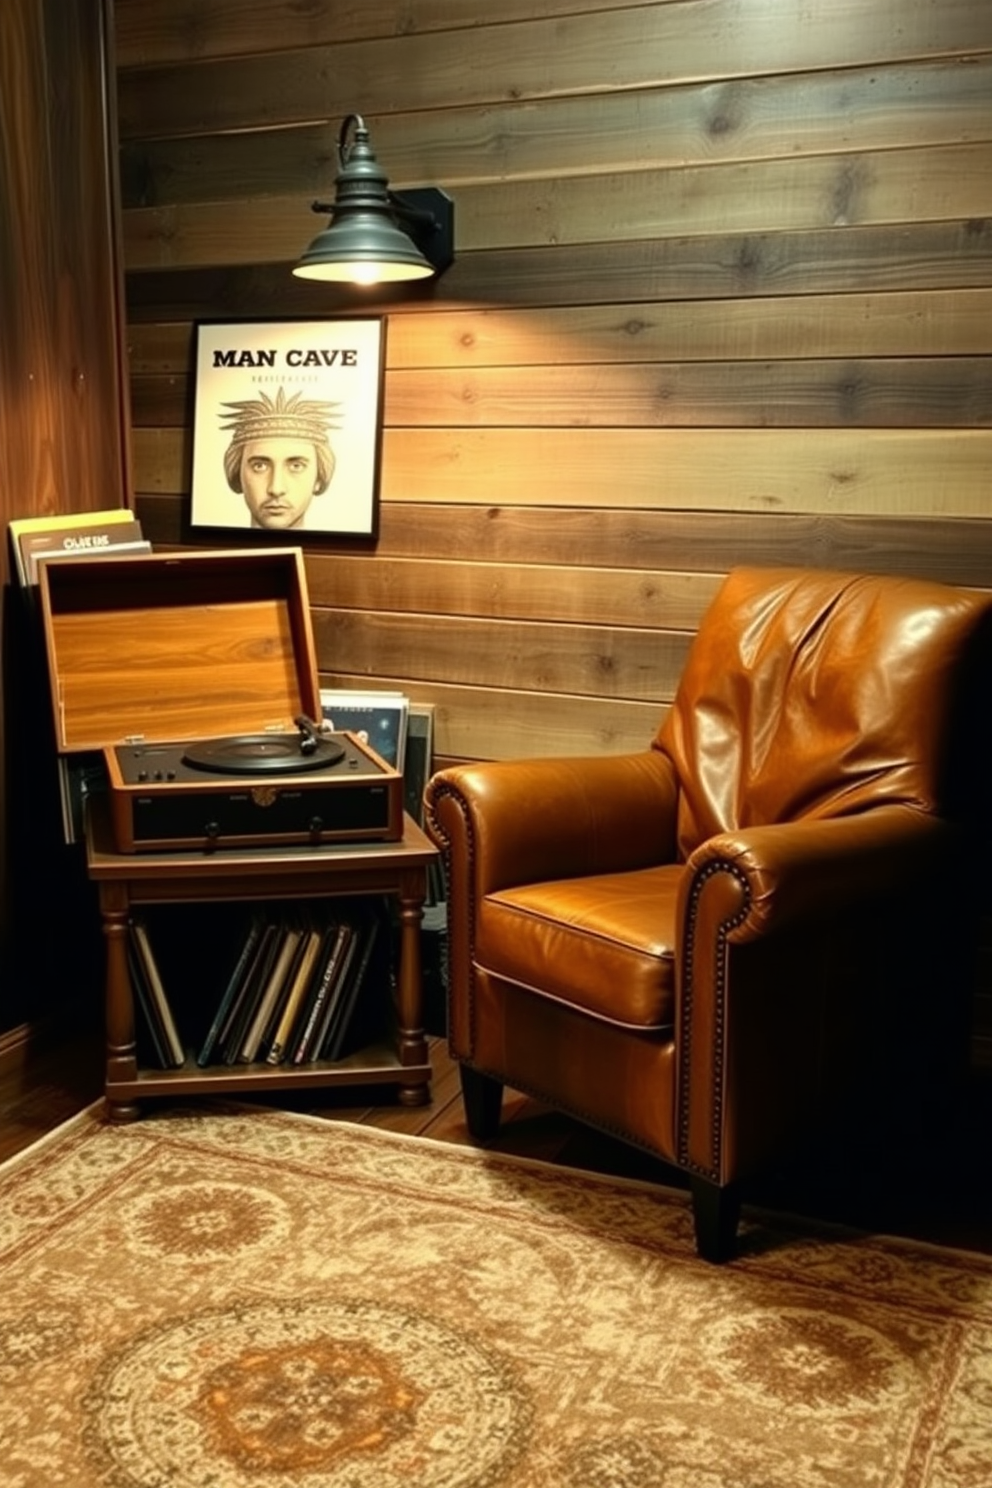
(291, 995)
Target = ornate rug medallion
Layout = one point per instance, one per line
(241, 1298)
(806, 1361)
(194, 1222)
(337, 1393)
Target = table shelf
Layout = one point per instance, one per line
(397, 870)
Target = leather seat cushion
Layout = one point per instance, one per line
(605, 944)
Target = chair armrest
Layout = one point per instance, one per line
(511, 822)
(791, 871)
(745, 1028)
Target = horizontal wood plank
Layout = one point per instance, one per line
(491, 723)
(864, 187)
(536, 591)
(941, 323)
(601, 661)
(157, 31)
(887, 186)
(946, 392)
(641, 46)
(896, 393)
(783, 117)
(867, 470)
(923, 256)
(935, 323)
(954, 551)
(871, 471)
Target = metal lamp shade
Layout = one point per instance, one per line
(363, 247)
(363, 243)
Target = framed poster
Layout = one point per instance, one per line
(287, 426)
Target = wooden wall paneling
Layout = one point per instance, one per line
(924, 257)
(956, 551)
(868, 393)
(791, 394)
(151, 31)
(163, 459)
(916, 471)
(926, 184)
(451, 371)
(937, 323)
(593, 596)
(941, 183)
(940, 472)
(593, 660)
(473, 723)
(901, 393)
(64, 442)
(63, 371)
(953, 551)
(160, 348)
(609, 50)
(944, 323)
(758, 118)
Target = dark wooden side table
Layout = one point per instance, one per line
(124, 880)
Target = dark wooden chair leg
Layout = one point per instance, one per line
(483, 1099)
(716, 1212)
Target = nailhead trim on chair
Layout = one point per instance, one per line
(721, 986)
(444, 789)
(685, 1039)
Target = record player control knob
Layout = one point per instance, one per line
(211, 829)
(316, 824)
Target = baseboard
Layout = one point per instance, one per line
(18, 1044)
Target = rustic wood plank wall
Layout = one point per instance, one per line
(64, 440)
(723, 293)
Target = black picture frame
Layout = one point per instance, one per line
(287, 427)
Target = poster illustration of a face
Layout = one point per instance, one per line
(287, 427)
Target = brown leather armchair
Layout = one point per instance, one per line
(694, 946)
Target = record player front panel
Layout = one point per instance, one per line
(160, 802)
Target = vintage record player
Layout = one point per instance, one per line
(195, 675)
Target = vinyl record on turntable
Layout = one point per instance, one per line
(260, 754)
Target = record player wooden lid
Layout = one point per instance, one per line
(156, 647)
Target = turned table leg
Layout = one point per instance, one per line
(412, 1042)
(121, 1054)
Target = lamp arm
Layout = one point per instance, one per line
(414, 215)
(349, 122)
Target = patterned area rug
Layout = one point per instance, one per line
(227, 1299)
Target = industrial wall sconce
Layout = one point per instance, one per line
(375, 236)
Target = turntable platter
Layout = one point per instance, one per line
(260, 754)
